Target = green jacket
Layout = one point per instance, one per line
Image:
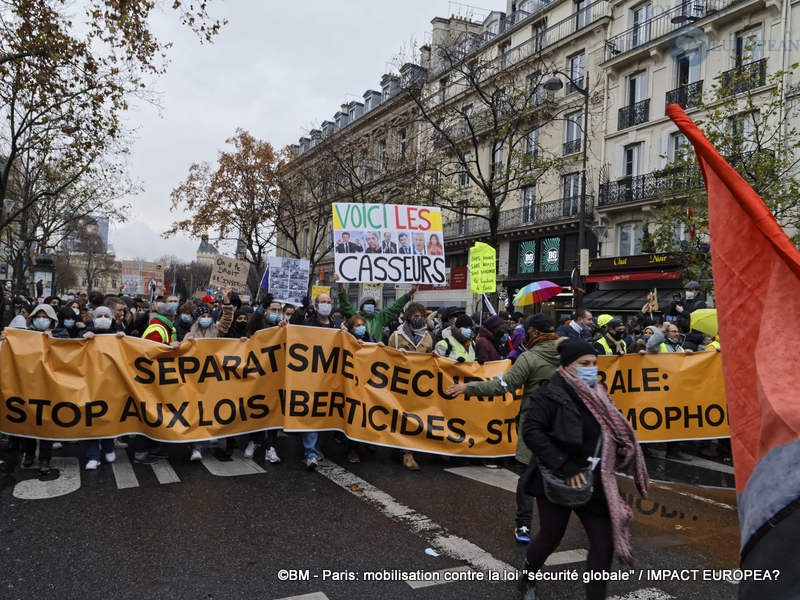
(531, 368)
(377, 320)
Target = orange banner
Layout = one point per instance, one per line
(669, 397)
(295, 378)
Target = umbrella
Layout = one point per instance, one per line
(535, 292)
(705, 320)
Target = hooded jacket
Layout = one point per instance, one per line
(377, 320)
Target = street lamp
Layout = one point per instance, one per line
(554, 84)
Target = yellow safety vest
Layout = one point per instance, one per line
(609, 352)
(662, 347)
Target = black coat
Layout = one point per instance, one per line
(562, 434)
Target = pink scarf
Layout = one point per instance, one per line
(616, 433)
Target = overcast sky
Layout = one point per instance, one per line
(277, 70)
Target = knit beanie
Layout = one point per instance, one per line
(571, 349)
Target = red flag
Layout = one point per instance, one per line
(757, 287)
(322, 275)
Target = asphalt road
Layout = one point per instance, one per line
(247, 529)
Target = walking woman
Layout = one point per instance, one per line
(570, 424)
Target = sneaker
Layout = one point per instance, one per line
(27, 460)
(311, 464)
(352, 457)
(111, 456)
(57, 445)
(44, 467)
(272, 456)
(92, 465)
(490, 464)
(118, 443)
(522, 534)
(250, 449)
(144, 459)
(196, 455)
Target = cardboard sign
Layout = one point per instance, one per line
(228, 271)
(482, 269)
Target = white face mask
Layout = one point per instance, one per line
(102, 323)
(41, 323)
(325, 309)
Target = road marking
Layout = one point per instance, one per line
(232, 468)
(314, 596)
(433, 533)
(123, 472)
(164, 472)
(500, 478)
(437, 580)
(68, 481)
(566, 557)
(704, 464)
(644, 594)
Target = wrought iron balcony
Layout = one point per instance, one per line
(540, 213)
(744, 77)
(634, 114)
(689, 95)
(649, 186)
(572, 146)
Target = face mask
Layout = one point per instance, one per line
(418, 323)
(102, 323)
(360, 330)
(41, 323)
(324, 309)
(273, 318)
(689, 295)
(617, 335)
(69, 323)
(588, 374)
(504, 338)
(369, 309)
(204, 322)
(186, 318)
(466, 333)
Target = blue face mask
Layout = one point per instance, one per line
(369, 309)
(360, 330)
(205, 321)
(186, 318)
(274, 318)
(69, 323)
(588, 374)
(466, 333)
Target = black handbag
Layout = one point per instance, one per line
(559, 492)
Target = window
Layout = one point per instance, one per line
(676, 147)
(463, 175)
(640, 24)
(637, 88)
(362, 164)
(582, 13)
(572, 131)
(572, 194)
(443, 89)
(575, 70)
(632, 158)
(382, 155)
(538, 30)
(687, 69)
(744, 133)
(630, 238)
(497, 160)
(401, 144)
(503, 52)
(532, 143)
(528, 203)
(749, 46)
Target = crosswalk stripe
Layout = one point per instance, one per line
(415, 585)
(566, 557)
(500, 478)
(238, 465)
(433, 533)
(644, 594)
(123, 472)
(164, 472)
(704, 463)
(314, 596)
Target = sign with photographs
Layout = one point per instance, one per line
(142, 278)
(386, 243)
(288, 279)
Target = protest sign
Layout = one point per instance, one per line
(384, 243)
(288, 279)
(482, 268)
(227, 271)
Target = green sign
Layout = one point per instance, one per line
(527, 257)
(482, 269)
(551, 254)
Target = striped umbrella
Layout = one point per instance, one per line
(535, 292)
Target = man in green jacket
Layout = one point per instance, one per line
(376, 319)
(534, 366)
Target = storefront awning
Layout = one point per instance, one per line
(634, 276)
